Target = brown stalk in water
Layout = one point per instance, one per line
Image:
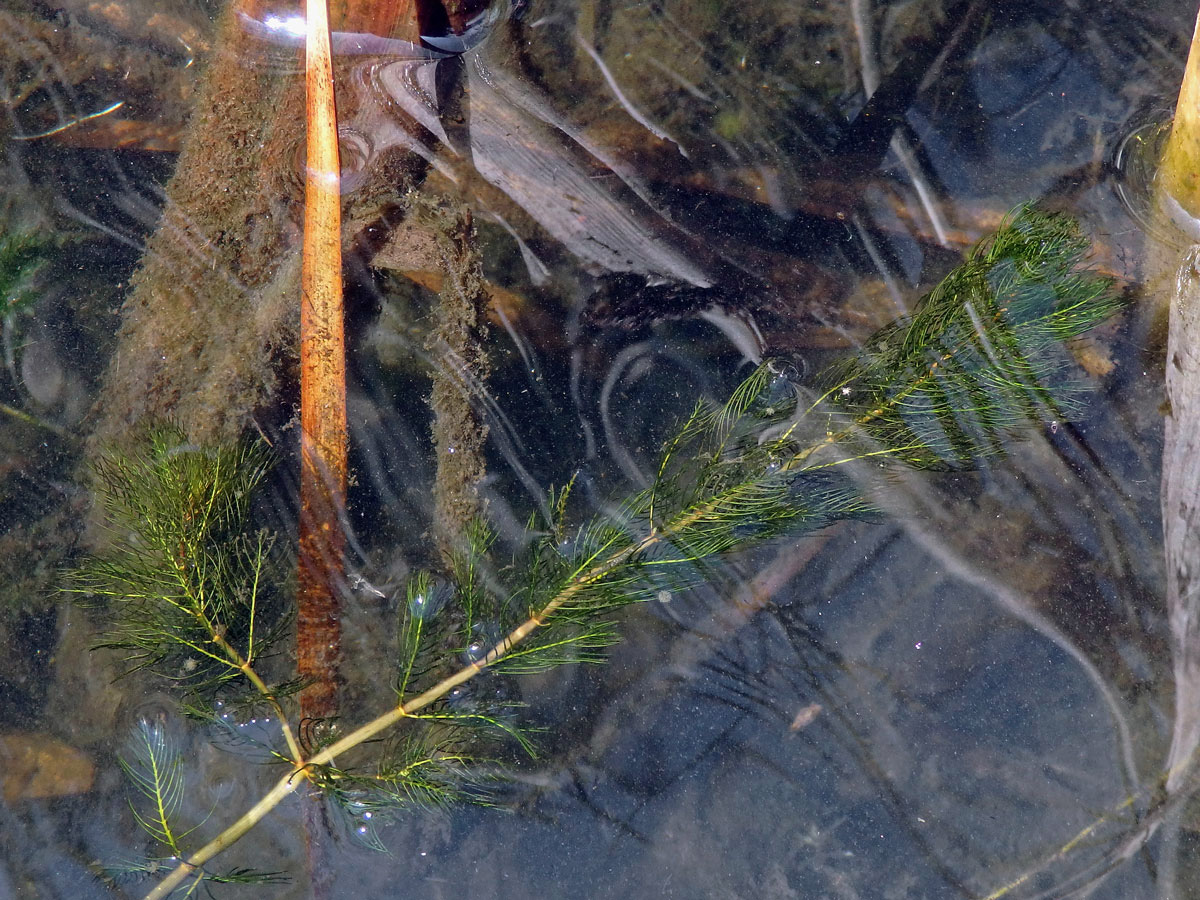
(322, 385)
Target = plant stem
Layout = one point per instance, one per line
(1179, 171)
(229, 836)
(461, 366)
(1175, 268)
(196, 606)
(244, 666)
(322, 386)
(303, 770)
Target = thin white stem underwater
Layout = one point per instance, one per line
(229, 654)
(303, 769)
(902, 398)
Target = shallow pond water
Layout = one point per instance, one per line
(968, 696)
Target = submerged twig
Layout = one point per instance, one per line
(864, 33)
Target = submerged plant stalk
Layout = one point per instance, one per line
(1177, 201)
(322, 387)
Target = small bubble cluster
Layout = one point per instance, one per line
(364, 817)
(574, 546)
(781, 394)
(228, 716)
(426, 599)
(484, 636)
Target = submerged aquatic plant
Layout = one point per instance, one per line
(983, 352)
(23, 254)
(183, 574)
(155, 768)
(981, 355)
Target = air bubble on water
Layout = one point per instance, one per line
(1136, 164)
(781, 394)
(461, 697)
(484, 636)
(426, 603)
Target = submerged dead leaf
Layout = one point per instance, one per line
(36, 766)
(1094, 356)
(805, 717)
(504, 303)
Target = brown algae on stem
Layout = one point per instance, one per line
(199, 345)
(460, 370)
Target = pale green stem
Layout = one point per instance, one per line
(302, 772)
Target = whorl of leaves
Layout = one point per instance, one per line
(982, 353)
(23, 255)
(183, 574)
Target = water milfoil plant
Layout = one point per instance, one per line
(981, 356)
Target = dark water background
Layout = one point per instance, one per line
(927, 706)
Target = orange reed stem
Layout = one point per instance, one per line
(322, 385)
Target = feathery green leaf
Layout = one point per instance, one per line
(184, 574)
(982, 353)
(155, 768)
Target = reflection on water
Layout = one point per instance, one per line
(928, 706)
